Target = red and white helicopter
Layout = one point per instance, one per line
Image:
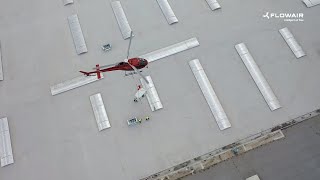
(133, 64)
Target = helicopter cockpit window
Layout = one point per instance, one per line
(141, 62)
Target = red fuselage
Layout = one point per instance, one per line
(139, 63)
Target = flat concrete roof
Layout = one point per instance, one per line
(56, 137)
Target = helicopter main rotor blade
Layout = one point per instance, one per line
(138, 72)
(106, 66)
(129, 45)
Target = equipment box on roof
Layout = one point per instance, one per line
(132, 121)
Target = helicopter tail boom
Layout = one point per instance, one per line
(98, 72)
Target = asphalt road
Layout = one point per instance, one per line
(297, 157)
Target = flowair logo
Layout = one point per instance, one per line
(266, 15)
(284, 16)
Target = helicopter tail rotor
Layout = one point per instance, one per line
(85, 73)
(98, 72)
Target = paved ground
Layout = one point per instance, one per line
(57, 138)
(296, 157)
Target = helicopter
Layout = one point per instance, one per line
(132, 64)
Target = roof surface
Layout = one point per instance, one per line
(56, 137)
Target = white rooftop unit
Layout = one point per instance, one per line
(121, 19)
(170, 50)
(292, 43)
(152, 94)
(209, 94)
(77, 34)
(6, 154)
(73, 83)
(167, 11)
(100, 112)
(258, 77)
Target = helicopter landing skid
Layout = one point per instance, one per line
(131, 73)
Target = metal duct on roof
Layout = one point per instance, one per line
(311, 3)
(73, 83)
(170, 50)
(6, 154)
(152, 94)
(100, 112)
(213, 4)
(258, 77)
(77, 35)
(121, 19)
(67, 2)
(167, 11)
(209, 94)
(292, 43)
